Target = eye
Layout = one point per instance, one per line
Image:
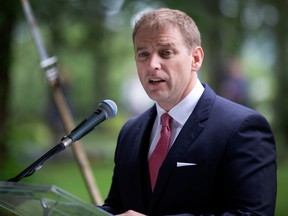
(167, 53)
(143, 54)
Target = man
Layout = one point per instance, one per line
(221, 159)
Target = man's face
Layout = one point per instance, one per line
(164, 65)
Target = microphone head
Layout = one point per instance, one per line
(109, 107)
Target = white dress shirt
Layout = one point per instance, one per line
(179, 114)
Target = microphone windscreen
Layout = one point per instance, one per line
(109, 107)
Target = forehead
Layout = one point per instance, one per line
(166, 35)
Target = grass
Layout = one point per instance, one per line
(282, 193)
(66, 175)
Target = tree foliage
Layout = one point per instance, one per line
(92, 40)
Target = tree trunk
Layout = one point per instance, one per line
(8, 11)
(281, 100)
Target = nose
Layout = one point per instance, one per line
(154, 62)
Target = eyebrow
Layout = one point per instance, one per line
(140, 48)
(166, 44)
(159, 44)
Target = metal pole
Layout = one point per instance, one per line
(48, 64)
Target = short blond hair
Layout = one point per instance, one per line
(159, 18)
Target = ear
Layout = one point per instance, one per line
(197, 57)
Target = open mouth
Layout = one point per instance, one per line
(156, 80)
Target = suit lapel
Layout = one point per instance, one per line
(190, 131)
(143, 132)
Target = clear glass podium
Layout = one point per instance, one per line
(42, 200)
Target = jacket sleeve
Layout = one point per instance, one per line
(112, 203)
(249, 169)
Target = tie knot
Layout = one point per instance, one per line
(165, 120)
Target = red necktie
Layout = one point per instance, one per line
(157, 157)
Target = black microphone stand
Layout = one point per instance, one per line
(39, 163)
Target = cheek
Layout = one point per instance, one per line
(182, 72)
(182, 78)
(187, 71)
(141, 75)
(139, 70)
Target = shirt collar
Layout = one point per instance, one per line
(184, 108)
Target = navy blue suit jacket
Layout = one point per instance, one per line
(231, 164)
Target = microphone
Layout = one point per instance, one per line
(106, 109)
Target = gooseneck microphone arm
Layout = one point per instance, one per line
(106, 109)
(38, 163)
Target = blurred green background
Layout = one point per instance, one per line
(245, 44)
